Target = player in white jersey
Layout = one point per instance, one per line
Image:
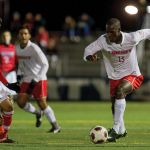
(33, 65)
(119, 55)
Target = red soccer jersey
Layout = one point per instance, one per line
(8, 58)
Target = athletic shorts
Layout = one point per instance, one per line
(5, 92)
(39, 90)
(135, 81)
(11, 77)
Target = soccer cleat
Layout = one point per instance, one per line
(7, 141)
(38, 119)
(112, 135)
(55, 130)
(122, 135)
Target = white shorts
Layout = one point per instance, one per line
(4, 92)
(11, 77)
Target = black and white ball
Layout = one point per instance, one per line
(98, 134)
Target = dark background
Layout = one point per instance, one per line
(54, 11)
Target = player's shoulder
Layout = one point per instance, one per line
(34, 46)
(134, 33)
(12, 46)
(128, 36)
(101, 38)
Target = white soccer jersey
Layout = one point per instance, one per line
(120, 59)
(32, 62)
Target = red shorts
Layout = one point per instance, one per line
(135, 81)
(39, 91)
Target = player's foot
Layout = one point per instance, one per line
(38, 119)
(112, 135)
(55, 130)
(122, 135)
(7, 141)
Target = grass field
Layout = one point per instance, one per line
(76, 119)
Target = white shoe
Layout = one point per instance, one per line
(55, 130)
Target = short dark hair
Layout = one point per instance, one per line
(25, 26)
(112, 21)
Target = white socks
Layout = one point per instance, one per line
(122, 127)
(30, 108)
(120, 105)
(49, 113)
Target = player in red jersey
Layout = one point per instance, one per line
(8, 57)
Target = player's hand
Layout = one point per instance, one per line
(19, 78)
(31, 87)
(14, 86)
(92, 57)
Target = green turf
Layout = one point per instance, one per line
(76, 119)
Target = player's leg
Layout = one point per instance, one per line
(113, 105)
(40, 94)
(6, 107)
(7, 112)
(1, 123)
(23, 103)
(112, 110)
(122, 132)
(49, 113)
(124, 88)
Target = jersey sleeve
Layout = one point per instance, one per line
(16, 59)
(42, 61)
(93, 48)
(141, 35)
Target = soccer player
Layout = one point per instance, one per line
(6, 108)
(119, 54)
(8, 57)
(34, 65)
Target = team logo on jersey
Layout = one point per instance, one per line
(120, 52)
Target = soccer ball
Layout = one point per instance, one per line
(98, 134)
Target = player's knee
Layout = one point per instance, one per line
(22, 100)
(120, 92)
(42, 104)
(8, 112)
(21, 104)
(9, 108)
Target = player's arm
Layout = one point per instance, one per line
(44, 67)
(43, 62)
(18, 71)
(90, 53)
(140, 35)
(12, 86)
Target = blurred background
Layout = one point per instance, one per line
(64, 28)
